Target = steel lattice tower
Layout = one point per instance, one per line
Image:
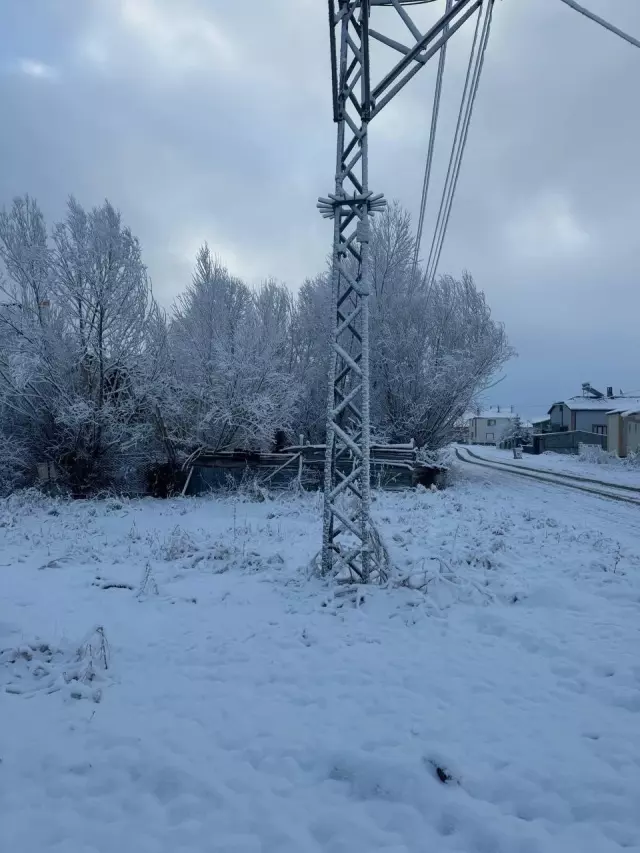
(350, 542)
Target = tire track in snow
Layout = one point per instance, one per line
(546, 471)
(552, 479)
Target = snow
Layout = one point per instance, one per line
(248, 708)
(505, 413)
(602, 404)
(617, 472)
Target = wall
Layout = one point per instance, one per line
(616, 436)
(560, 417)
(633, 433)
(480, 430)
(566, 442)
(586, 420)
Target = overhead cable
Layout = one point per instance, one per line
(432, 140)
(602, 22)
(463, 123)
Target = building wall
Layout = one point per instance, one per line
(482, 433)
(560, 417)
(616, 436)
(542, 426)
(633, 433)
(587, 420)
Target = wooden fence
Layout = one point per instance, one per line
(393, 466)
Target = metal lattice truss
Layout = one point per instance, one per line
(351, 545)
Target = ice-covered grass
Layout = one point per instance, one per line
(173, 681)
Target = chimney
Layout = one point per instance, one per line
(609, 391)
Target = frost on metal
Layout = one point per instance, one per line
(351, 547)
(349, 543)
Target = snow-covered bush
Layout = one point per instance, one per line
(13, 463)
(633, 460)
(596, 455)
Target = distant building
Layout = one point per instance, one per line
(623, 431)
(541, 425)
(486, 426)
(589, 411)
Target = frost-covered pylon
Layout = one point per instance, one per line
(350, 543)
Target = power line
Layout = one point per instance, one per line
(474, 72)
(432, 140)
(462, 130)
(455, 137)
(602, 22)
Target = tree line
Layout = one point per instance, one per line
(100, 381)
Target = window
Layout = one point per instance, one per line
(491, 423)
(490, 436)
(599, 429)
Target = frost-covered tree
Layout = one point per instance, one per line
(71, 374)
(434, 348)
(30, 342)
(229, 351)
(308, 357)
(516, 434)
(95, 378)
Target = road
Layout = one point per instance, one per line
(610, 491)
(613, 512)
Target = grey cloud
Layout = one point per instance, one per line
(211, 120)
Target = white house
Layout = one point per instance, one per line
(487, 426)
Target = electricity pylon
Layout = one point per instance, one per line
(350, 542)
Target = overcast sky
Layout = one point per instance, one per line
(210, 119)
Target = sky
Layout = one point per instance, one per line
(211, 120)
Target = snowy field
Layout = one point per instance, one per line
(223, 701)
(611, 470)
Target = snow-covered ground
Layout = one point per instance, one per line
(616, 472)
(245, 708)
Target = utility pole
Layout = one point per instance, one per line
(351, 546)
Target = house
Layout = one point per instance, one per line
(541, 425)
(486, 426)
(609, 415)
(623, 431)
(588, 412)
(633, 432)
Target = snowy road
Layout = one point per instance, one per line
(247, 710)
(606, 470)
(613, 519)
(618, 492)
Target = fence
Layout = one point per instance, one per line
(565, 442)
(393, 466)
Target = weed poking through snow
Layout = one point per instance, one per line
(38, 667)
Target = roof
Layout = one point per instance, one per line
(600, 404)
(505, 414)
(541, 420)
(625, 411)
